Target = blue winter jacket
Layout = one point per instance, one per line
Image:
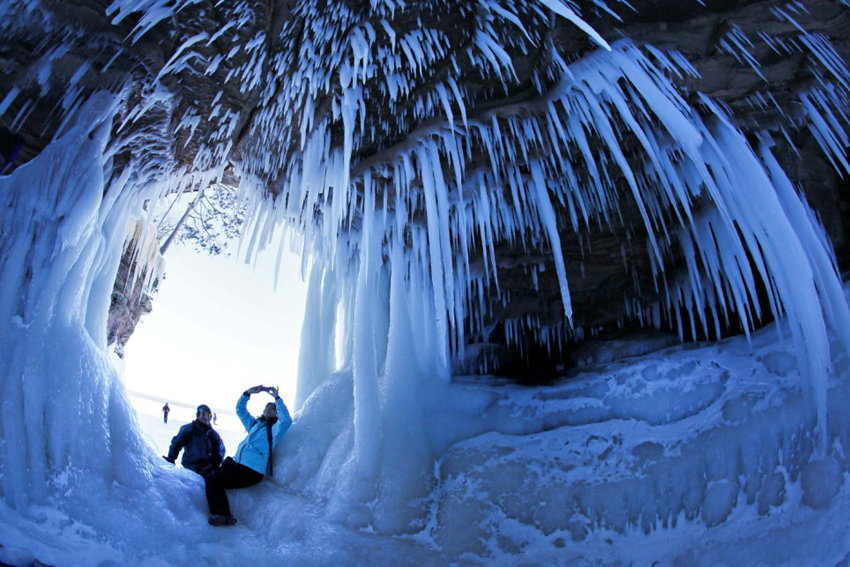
(253, 451)
(203, 449)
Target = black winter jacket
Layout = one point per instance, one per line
(203, 449)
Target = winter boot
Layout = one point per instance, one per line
(220, 520)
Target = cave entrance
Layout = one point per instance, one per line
(218, 326)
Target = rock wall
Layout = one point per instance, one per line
(138, 278)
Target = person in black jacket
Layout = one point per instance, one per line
(203, 449)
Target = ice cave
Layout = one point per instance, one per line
(577, 276)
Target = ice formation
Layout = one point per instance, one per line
(65, 218)
(393, 179)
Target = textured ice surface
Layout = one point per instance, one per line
(679, 436)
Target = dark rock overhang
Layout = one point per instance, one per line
(223, 86)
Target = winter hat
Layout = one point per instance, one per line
(203, 407)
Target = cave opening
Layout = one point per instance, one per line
(218, 326)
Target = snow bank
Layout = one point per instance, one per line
(679, 446)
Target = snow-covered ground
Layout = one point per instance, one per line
(690, 455)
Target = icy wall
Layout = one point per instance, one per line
(65, 215)
(416, 155)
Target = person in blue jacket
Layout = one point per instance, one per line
(253, 458)
(202, 446)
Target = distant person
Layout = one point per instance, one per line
(165, 410)
(215, 419)
(253, 457)
(202, 446)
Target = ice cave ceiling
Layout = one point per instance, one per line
(236, 88)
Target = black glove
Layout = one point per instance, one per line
(169, 460)
(206, 470)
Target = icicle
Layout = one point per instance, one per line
(436, 246)
(561, 9)
(547, 217)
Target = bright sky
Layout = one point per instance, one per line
(217, 328)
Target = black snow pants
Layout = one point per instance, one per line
(230, 475)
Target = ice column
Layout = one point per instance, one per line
(316, 357)
(359, 473)
(64, 413)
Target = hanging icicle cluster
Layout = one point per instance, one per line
(475, 171)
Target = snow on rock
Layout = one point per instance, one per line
(676, 444)
(681, 436)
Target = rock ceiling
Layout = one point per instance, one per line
(225, 86)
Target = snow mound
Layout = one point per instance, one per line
(688, 439)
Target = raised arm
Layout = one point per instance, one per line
(242, 411)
